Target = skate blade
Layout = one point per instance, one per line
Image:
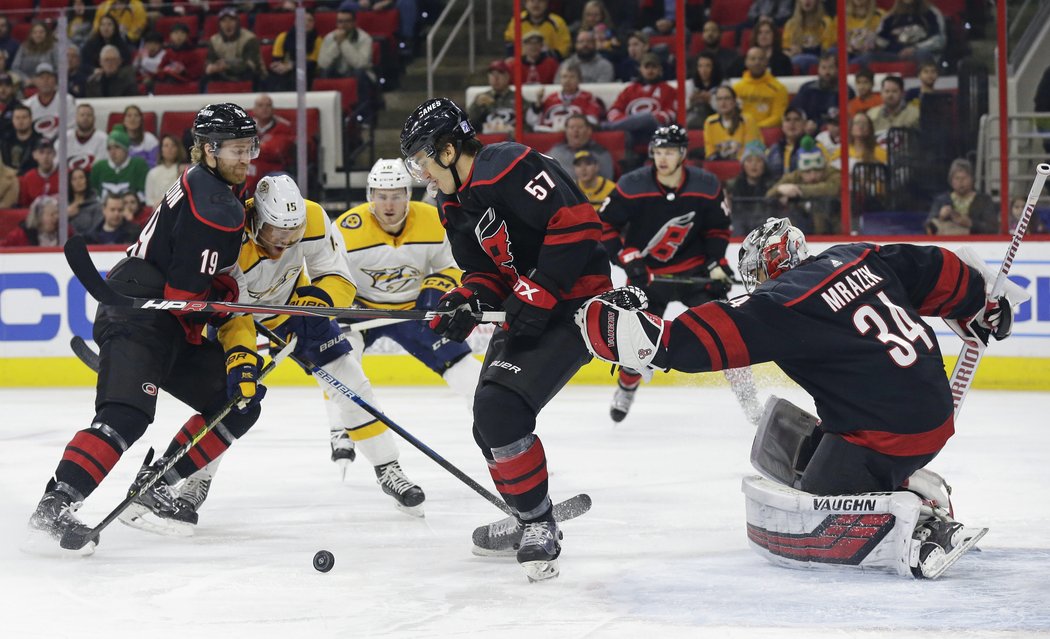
(41, 544)
(142, 518)
(956, 554)
(479, 551)
(343, 465)
(540, 570)
(412, 511)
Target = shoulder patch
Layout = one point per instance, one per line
(351, 221)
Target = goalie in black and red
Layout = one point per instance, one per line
(846, 325)
(529, 243)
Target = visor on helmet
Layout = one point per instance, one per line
(275, 240)
(235, 150)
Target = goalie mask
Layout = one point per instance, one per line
(388, 193)
(278, 219)
(769, 250)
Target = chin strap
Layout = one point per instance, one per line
(451, 165)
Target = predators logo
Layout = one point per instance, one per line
(394, 279)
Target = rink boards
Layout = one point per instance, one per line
(42, 306)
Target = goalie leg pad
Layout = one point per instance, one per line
(785, 441)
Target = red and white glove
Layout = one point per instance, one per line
(633, 263)
(530, 304)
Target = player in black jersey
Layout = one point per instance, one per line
(529, 243)
(186, 251)
(668, 219)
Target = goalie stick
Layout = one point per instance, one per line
(84, 268)
(570, 508)
(73, 541)
(973, 349)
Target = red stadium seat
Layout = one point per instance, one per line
(324, 22)
(149, 120)
(378, 23)
(9, 219)
(728, 12)
(725, 170)
(269, 25)
(52, 7)
(542, 142)
(222, 86)
(885, 5)
(615, 142)
(20, 10)
(176, 88)
(313, 119)
(770, 135)
(266, 53)
(211, 24)
(492, 138)
(696, 138)
(950, 8)
(165, 23)
(347, 88)
(904, 68)
(176, 122)
(20, 31)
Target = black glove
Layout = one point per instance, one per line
(633, 263)
(530, 304)
(456, 309)
(995, 320)
(242, 374)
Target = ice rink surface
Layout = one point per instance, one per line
(663, 552)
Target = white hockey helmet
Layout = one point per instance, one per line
(389, 175)
(279, 218)
(769, 250)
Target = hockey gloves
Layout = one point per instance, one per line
(320, 340)
(633, 263)
(242, 373)
(456, 309)
(632, 338)
(530, 304)
(995, 320)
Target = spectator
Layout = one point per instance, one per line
(76, 83)
(143, 143)
(866, 98)
(7, 44)
(9, 185)
(628, 69)
(167, 171)
(911, 30)
(40, 228)
(767, 38)
(17, 147)
(659, 16)
(644, 105)
(862, 25)
(830, 139)
(119, 172)
(45, 104)
(590, 181)
(233, 52)
(408, 12)
(962, 211)
(1035, 223)
(114, 227)
(747, 192)
(39, 48)
(42, 180)
(808, 33)
(134, 210)
(538, 66)
(346, 52)
(550, 113)
(809, 192)
(111, 79)
(700, 91)
(862, 144)
(551, 26)
(779, 11)
(129, 14)
(595, 17)
(820, 97)
(81, 18)
(928, 74)
(782, 156)
(282, 69)
(106, 32)
(730, 64)
(8, 101)
(493, 111)
(728, 131)
(276, 141)
(181, 64)
(578, 131)
(84, 143)
(593, 67)
(149, 59)
(893, 112)
(84, 210)
(761, 95)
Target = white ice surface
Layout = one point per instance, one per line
(663, 551)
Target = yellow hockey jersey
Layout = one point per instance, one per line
(390, 269)
(601, 190)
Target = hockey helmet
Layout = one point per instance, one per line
(278, 221)
(431, 121)
(770, 250)
(388, 175)
(217, 123)
(671, 136)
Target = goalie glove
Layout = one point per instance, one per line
(631, 338)
(996, 320)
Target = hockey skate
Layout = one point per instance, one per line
(54, 517)
(343, 452)
(538, 554)
(159, 509)
(408, 497)
(941, 544)
(621, 402)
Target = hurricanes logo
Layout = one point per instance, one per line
(395, 279)
(149, 389)
(495, 239)
(666, 241)
(644, 352)
(643, 105)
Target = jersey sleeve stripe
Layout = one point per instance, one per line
(948, 290)
(568, 217)
(588, 286)
(827, 279)
(581, 233)
(505, 171)
(609, 232)
(903, 444)
(717, 233)
(726, 331)
(703, 335)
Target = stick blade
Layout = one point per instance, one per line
(83, 267)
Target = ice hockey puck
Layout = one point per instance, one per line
(323, 561)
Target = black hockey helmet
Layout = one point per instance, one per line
(225, 121)
(672, 136)
(431, 120)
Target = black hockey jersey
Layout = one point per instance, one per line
(676, 230)
(517, 211)
(847, 326)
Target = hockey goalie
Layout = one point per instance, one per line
(849, 488)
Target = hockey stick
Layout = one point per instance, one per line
(347, 392)
(973, 349)
(690, 279)
(84, 352)
(72, 541)
(80, 262)
(359, 327)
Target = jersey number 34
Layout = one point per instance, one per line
(902, 342)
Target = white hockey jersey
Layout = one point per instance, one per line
(389, 269)
(45, 116)
(81, 154)
(317, 260)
